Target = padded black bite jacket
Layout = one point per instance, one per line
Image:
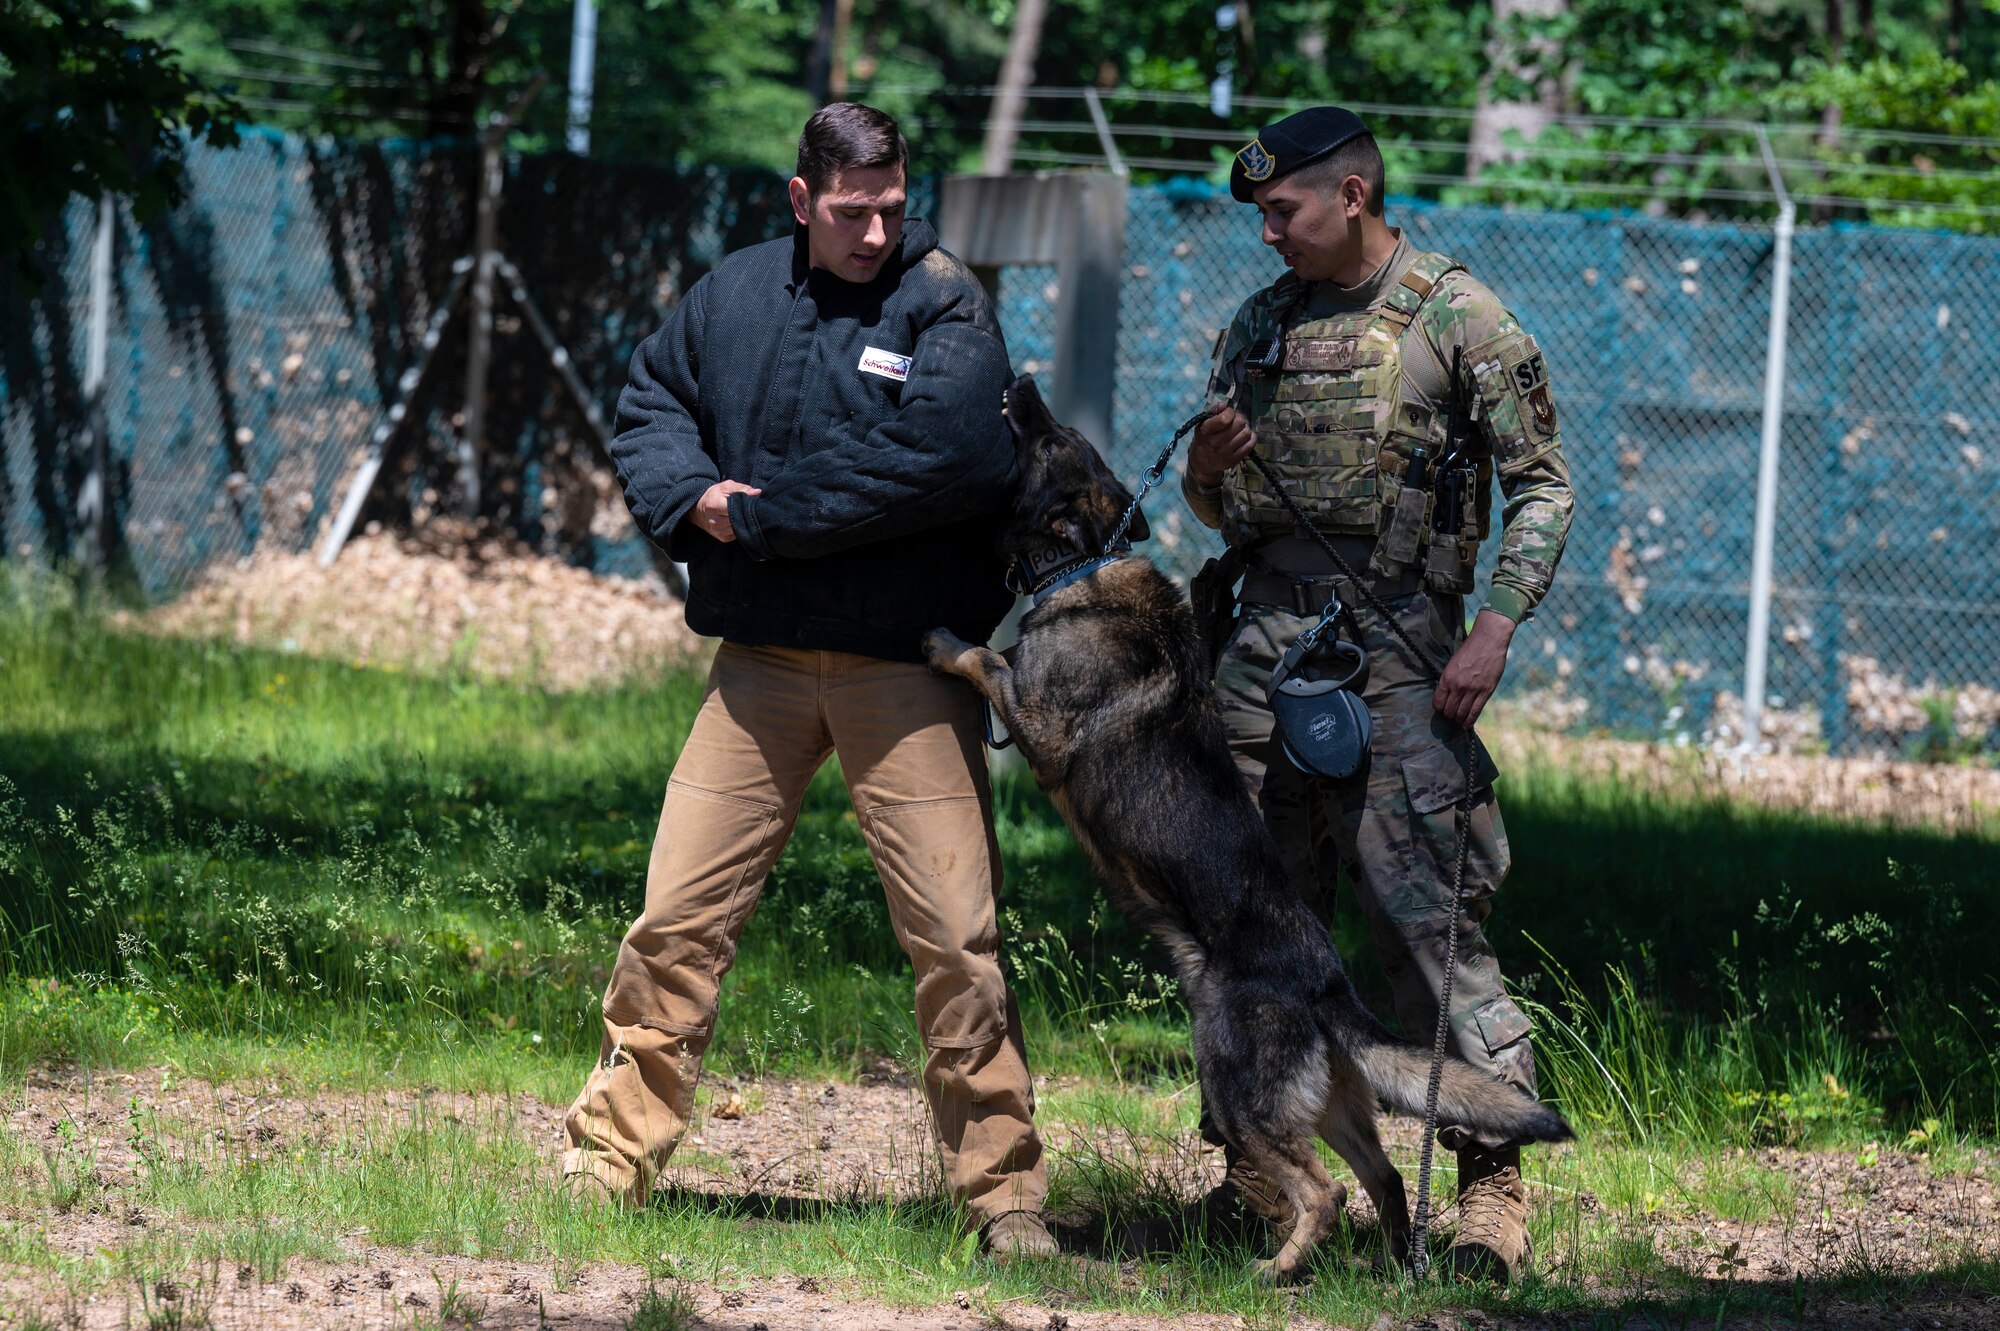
(882, 496)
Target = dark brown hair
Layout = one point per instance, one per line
(1359, 156)
(844, 135)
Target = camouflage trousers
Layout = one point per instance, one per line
(1392, 826)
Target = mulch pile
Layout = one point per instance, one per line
(440, 602)
(1957, 797)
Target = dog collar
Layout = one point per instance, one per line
(1043, 570)
(1070, 573)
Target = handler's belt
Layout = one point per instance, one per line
(1306, 595)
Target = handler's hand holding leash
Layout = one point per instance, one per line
(1222, 440)
(1474, 670)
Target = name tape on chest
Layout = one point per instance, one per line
(1321, 354)
(888, 364)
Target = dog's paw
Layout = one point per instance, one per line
(941, 648)
(1270, 1274)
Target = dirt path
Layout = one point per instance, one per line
(1894, 1212)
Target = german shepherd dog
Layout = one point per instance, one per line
(1108, 695)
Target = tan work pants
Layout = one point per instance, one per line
(909, 745)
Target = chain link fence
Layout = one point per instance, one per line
(1886, 602)
(258, 333)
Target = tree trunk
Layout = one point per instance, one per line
(819, 60)
(1492, 118)
(468, 53)
(836, 61)
(1003, 123)
(1829, 115)
(1246, 48)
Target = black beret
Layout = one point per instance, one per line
(1282, 148)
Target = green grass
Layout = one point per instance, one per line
(471, 1181)
(247, 865)
(263, 864)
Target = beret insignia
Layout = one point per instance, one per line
(1257, 163)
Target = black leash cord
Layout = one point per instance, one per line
(1420, 1227)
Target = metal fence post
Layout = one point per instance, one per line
(1757, 644)
(93, 500)
(582, 74)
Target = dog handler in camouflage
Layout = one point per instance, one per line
(1338, 376)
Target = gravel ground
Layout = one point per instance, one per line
(824, 1140)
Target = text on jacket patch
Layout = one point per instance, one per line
(889, 364)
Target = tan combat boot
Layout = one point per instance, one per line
(1013, 1235)
(1492, 1242)
(1242, 1208)
(1258, 1197)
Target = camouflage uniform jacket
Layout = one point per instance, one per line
(1517, 417)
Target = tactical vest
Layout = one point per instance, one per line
(1332, 422)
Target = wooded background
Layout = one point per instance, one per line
(729, 81)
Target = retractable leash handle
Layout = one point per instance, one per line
(1314, 693)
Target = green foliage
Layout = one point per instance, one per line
(86, 109)
(1682, 61)
(724, 81)
(1925, 90)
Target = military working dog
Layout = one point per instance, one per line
(1108, 696)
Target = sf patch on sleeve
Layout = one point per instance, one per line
(1528, 379)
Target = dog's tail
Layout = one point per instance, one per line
(1400, 1073)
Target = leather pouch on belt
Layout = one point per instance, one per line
(1212, 596)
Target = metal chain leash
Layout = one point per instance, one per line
(1152, 477)
(1419, 1226)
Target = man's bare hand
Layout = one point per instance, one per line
(1475, 668)
(711, 511)
(1220, 442)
